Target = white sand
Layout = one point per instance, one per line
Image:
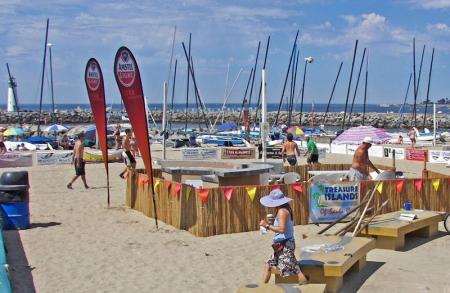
(77, 244)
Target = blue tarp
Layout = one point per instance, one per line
(227, 126)
(40, 139)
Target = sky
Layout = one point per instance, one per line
(225, 34)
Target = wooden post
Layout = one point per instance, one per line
(425, 171)
(393, 161)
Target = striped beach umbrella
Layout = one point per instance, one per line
(295, 130)
(56, 128)
(355, 135)
(13, 131)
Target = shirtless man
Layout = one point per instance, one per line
(289, 149)
(412, 136)
(78, 161)
(117, 137)
(128, 158)
(361, 163)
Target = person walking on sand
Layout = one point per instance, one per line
(289, 150)
(283, 257)
(78, 161)
(128, 158)
(361, 163)
(312, 151)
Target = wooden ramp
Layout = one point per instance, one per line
(390, 231)
(282, 288)
(330, 267)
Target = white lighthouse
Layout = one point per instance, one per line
(12, 91)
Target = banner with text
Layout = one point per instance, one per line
(189, 154)
(128, 80)
(329, 201)
(238, 153)
(436, 156)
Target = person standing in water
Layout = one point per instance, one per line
(78, 161)
(128, 158)
(289, 150)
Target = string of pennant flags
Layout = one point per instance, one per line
(251, 191)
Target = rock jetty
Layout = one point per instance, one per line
(383, 120)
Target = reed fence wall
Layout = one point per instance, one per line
(218, 215)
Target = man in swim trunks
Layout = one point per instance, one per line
(128, 158)
(412, 136)
(78, 161)
(289, 149)
(361, 163)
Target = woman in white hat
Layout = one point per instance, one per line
(283, 245)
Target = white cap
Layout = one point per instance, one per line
(307, 135)
(367, 139)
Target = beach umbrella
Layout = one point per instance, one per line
(355, 135)
(55, 128)
(295, 130)
(14, 131)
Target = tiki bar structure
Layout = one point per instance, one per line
(221, 208)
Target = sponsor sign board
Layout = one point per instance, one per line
(190, 154)
(437, 156)
(399, 152)
(414, 154)
(16, 160)
(329, 201)
(238, 153)
(53, 158)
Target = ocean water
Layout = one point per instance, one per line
(272, 107)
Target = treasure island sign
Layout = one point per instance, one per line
(238, 153)
(330, 201)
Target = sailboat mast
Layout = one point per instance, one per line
(332, 91)
(42, 79)
(356, 87)
(286, 78)
(428, 89)
(365, 88)
(173, 93)
(349, 84)
(187, 85)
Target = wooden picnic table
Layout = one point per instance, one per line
(390, 231)
(330, 267)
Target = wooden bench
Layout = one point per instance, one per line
(329, 268)
(282, 288)
(390, 231)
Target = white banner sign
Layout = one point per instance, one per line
(436, 156)
(399, 152)
(16, 160)
(338, 148)
(199, 154)
(53, 158)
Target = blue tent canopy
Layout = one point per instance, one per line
(40, 139)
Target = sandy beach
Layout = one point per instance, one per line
(77, 244)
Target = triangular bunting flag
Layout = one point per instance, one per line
(400, 185)
(251, 192)
(143, 179)
(380, 187)
(177, 188)
(418, 184)
(227, 192)
(436, 183)
(156, 184)
(362, 185)
(203, 192)
(298, 187)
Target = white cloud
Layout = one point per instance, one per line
(438, 28)
(431, 4)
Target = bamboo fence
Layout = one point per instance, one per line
(218, 215)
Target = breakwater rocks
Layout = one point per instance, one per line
(384, 120)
